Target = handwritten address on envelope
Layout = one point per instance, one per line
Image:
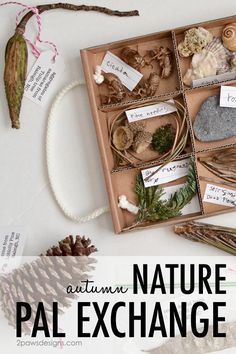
(159, 109)
(221, 196)
(170, 172)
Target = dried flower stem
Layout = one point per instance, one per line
(42, 8)
(222, 164)
(221, 237)
(192, 344)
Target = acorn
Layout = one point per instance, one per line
(16, 57)
(142, 141)
(122, 138)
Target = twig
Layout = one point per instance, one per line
(42, 8)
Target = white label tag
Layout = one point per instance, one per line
(216, 79)
(12, 241)
(128, 75)
(170, 172)
(222, 196)
(43, 77)
(159, 109)
(228, 96)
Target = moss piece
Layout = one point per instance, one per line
(163, 138)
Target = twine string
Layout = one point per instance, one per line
(35, 51)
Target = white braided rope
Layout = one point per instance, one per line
(79, 219)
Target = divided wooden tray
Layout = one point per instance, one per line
(122, 181)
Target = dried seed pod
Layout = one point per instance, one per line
(136, 127)
(164, 57)
(152, 84)
(142, 141)
(122, 138)
(15, 74)
(149, 88)
(115, 87)
(133, 58)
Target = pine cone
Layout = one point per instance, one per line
(47, 278)
(69, 247)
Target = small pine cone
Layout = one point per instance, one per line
(69, 247)
(47, 278)
(136, 127)
(141, 142)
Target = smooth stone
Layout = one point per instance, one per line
(214, 122)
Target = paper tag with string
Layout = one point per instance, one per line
(48, 67)
(42, 78)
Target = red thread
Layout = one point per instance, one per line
(36, 52)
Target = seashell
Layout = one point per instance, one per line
(195, 40)
(213, 60)
(203, 65)
(122, 138)
(221, 54)
(141, 142)
(229, 37)
(233, 63)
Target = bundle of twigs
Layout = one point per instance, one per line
(221, 237)
(180, 140)
(222, 164)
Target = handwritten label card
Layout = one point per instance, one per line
(228, 96)
(159, 109)
(42, 78)
(128, 75)
(211, 80)
(170, 172)
(221, 196)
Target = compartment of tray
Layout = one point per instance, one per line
(149, 156)
(195, 99)
(94, 56)
(124, 182)
(206, 176)
(216, 29)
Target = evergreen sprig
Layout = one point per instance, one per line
(153, 208)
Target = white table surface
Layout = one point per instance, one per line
(25, 196)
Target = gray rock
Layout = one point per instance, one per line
(214, 122)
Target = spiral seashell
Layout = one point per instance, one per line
(229, 37)
(122, 138)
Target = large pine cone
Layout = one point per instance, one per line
(47, 278)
